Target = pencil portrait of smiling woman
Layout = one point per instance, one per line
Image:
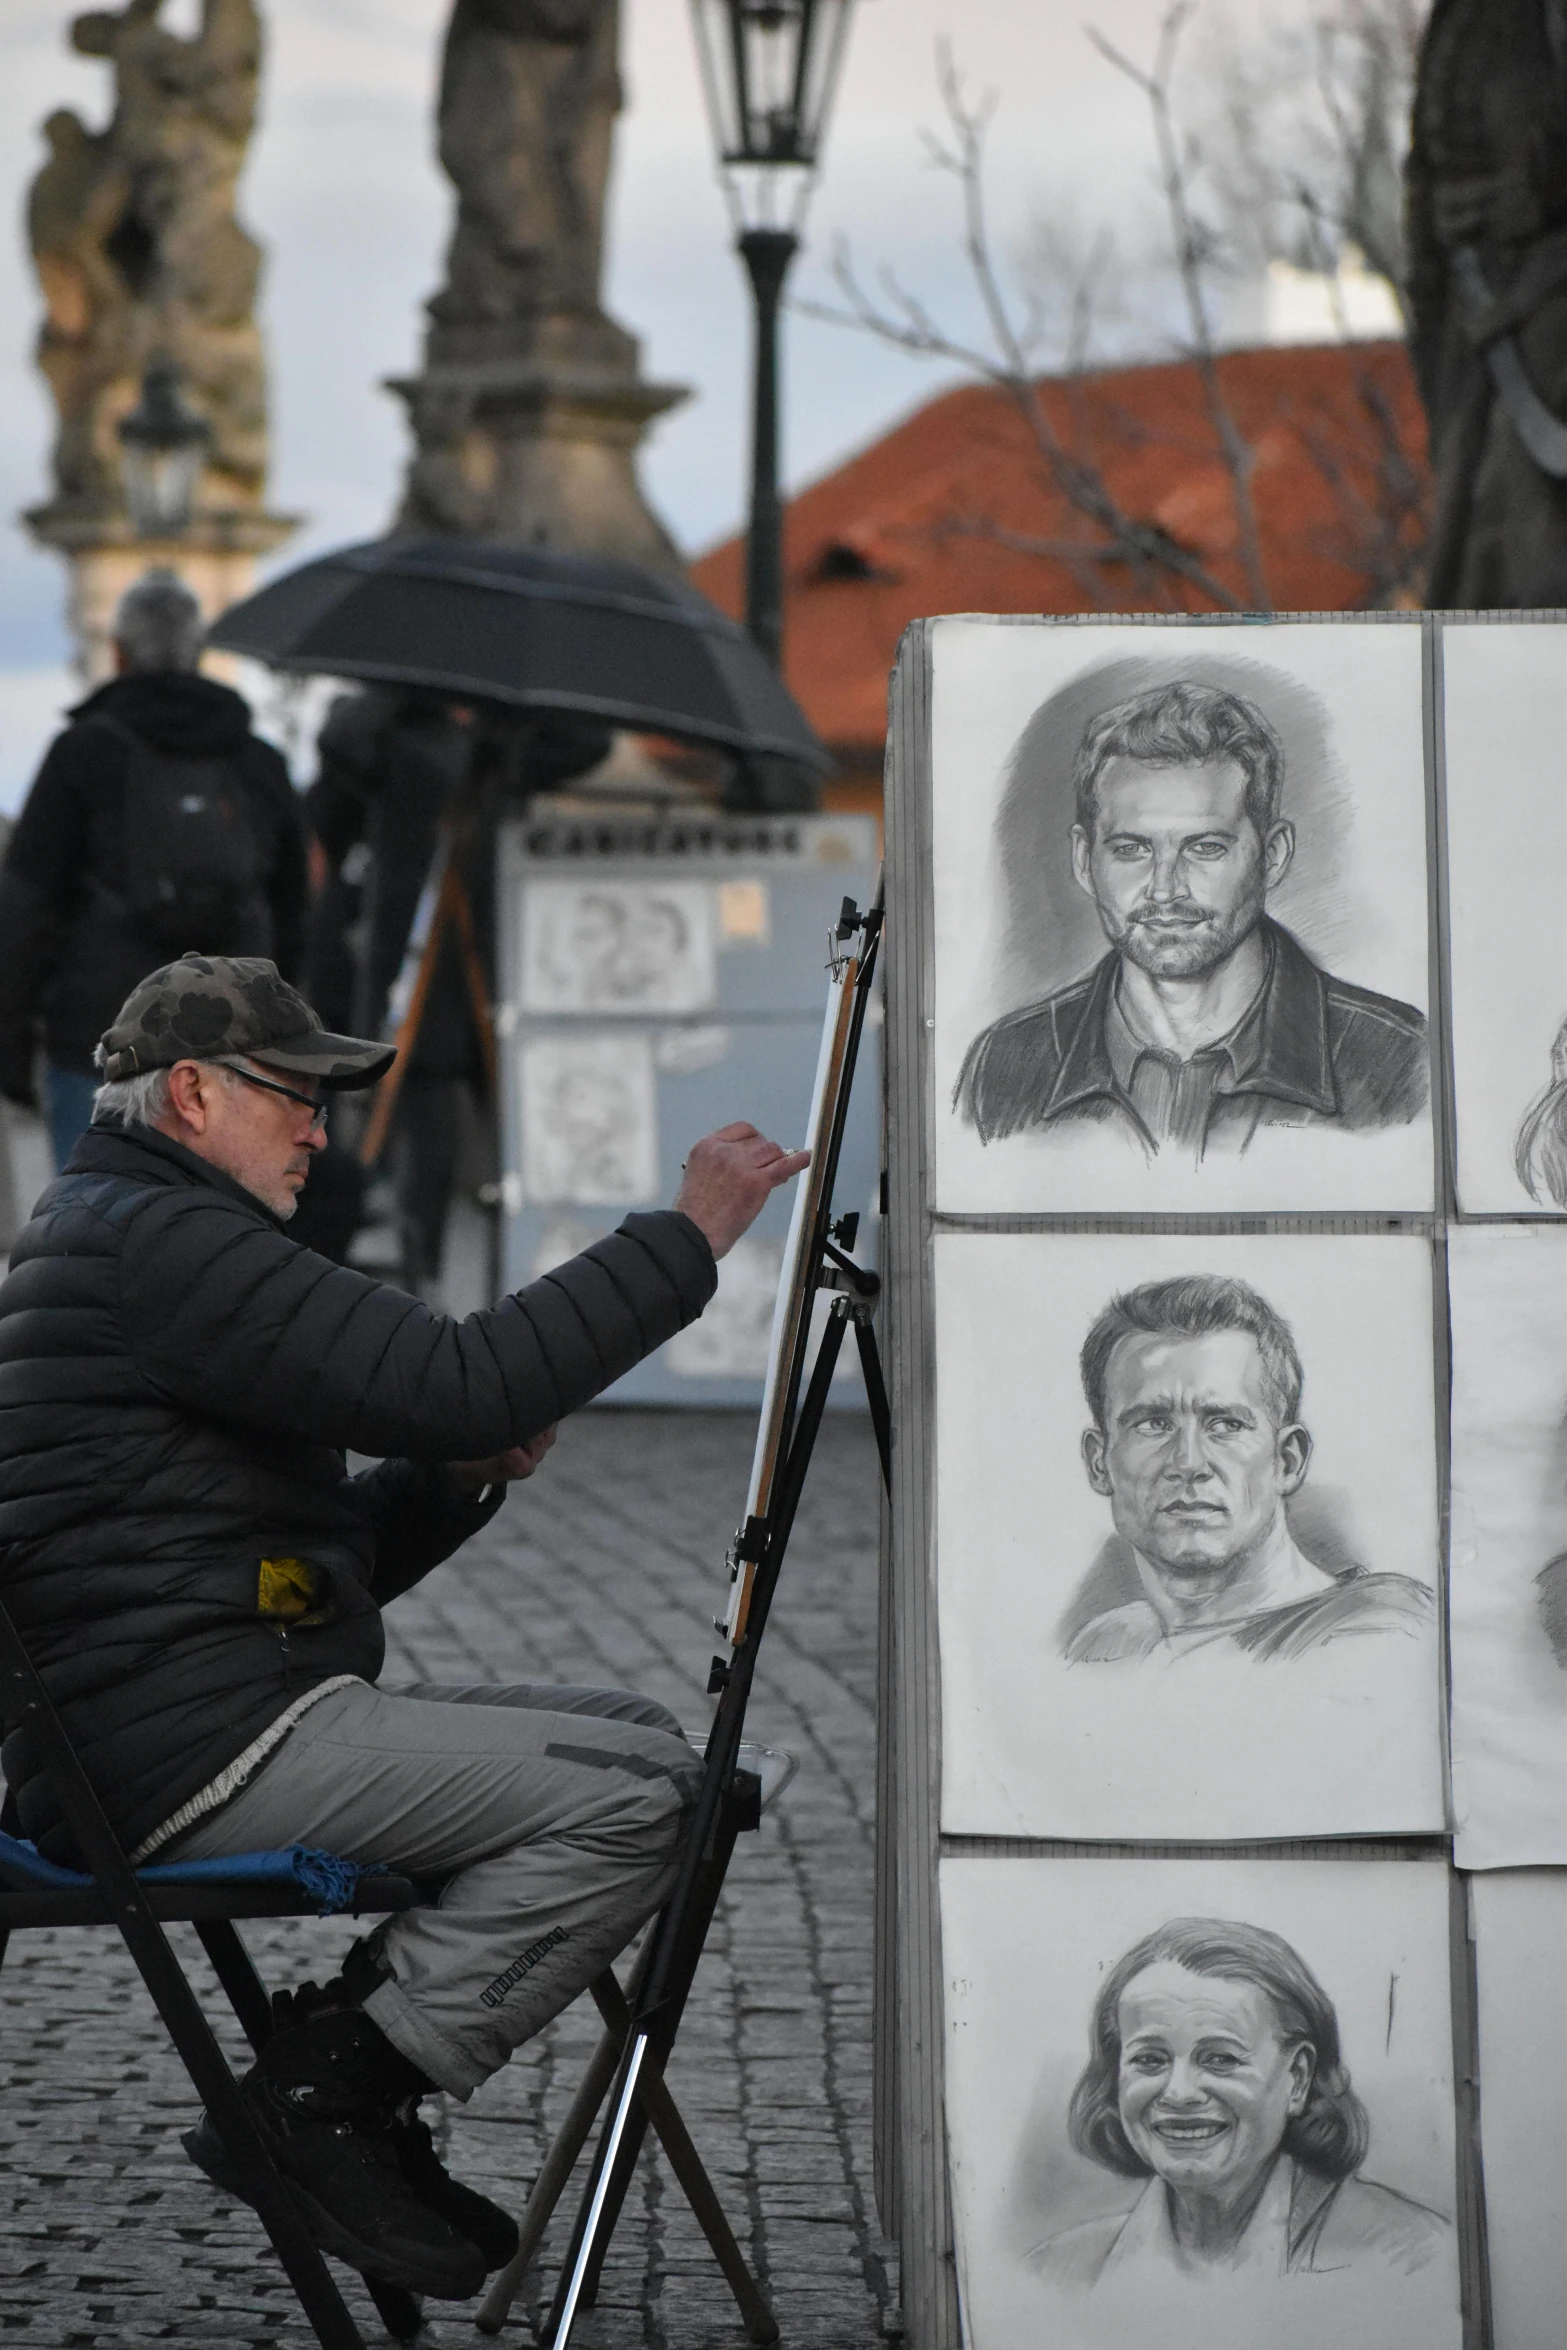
(1216, 2086)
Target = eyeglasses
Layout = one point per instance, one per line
(317, 1109)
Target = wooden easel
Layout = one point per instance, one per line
(443, 905)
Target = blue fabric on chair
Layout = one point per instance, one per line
(324, 1879)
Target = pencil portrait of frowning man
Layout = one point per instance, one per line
(1207, 1018)
(1198, 1442)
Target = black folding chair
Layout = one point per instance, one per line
(115, 1896)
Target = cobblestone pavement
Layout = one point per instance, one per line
(607, 1567)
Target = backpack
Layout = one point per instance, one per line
(192, 869)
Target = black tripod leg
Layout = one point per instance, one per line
(682, 1971)
(691, 2175)
(682, 1974)
(550, 2184)
(876, 1396)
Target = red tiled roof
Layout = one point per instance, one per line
(908, 526)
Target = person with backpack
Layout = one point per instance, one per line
(158, 823)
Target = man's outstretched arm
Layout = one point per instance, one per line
(227, 1316)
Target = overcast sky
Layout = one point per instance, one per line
(345, 196)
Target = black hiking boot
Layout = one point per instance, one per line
(464, 2208)
(473, 2215)
(333, 2099)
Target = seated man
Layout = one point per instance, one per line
(200, 1580)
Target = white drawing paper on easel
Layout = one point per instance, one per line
(1200, 2104)
(1186, 1535)
(589, 1117)
(1507, 1563)
(1505, 725)
(1181, 921)
(1520, 1929)
(604, 945)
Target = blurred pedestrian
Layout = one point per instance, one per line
(401, 769)
(158, 822)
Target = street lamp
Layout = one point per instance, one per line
(162, 444)
(769, 71)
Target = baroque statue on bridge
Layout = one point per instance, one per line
(529, 95)
(138, 251)
(530, 403)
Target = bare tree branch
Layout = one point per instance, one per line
(1193, 245)
(903, 320)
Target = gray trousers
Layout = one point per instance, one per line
(554, 1817)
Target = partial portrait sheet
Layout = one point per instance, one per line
(1505, 724)
(1507, 1563)
(1200, 2104)
(1520, 1928)
(1180, 918)
(1186, 1535)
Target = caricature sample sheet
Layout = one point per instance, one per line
(1089, 1687)
(1182, 955)
(1520, 1928)
(1134, 2043)
(1508, 1554)
(1504, 697)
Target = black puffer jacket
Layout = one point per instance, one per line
(70, 948)
(178, 1384)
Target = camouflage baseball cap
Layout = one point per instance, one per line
(211, 1007)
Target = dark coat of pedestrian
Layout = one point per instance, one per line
(157, 753)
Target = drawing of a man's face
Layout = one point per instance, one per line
(1175, 863)
(1207, 2082)
(1193, 1457)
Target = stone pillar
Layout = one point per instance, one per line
(530, 405)
(139, 255)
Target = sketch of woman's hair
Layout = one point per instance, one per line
(1540, 1154)
(1231, 2107)
(1329, 2135)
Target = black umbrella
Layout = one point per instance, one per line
(545, 631)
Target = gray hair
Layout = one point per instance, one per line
(157, 623)
(143, 1100)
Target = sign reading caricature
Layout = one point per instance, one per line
(1181, 919)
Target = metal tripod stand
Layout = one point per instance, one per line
(641, 2029)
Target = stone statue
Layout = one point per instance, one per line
(530, 404)
(529, 95)
(138, 251)
(1486, 197)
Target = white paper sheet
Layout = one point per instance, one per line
(1508, 1557)
(589, 1117)
(1505, 697)
(1045, 2254)
(1520, 1920)
(1339, 1734)
(1013, 928)
(619, 946)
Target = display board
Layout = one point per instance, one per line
(1226, 1247)
(658, 981)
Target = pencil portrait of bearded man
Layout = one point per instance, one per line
(1207, 1019)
